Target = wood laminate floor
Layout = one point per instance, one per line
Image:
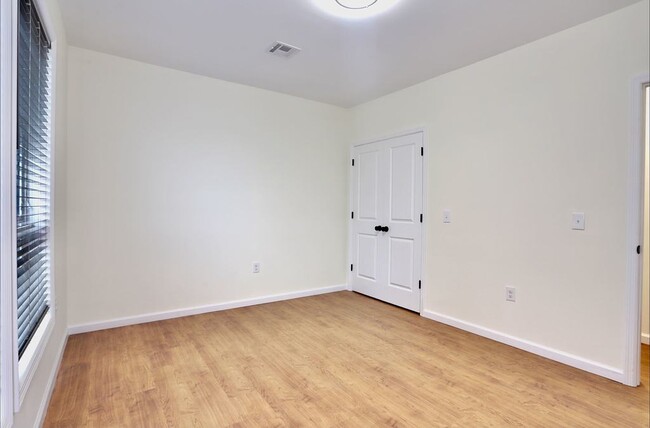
(333, 360)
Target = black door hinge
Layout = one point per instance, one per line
(421, 151)
(352, 215)
(352, 162)
(420, 284)
(351, 268)
(421, 218)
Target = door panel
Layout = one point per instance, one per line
(367, 248)
(401, 263)
(387, 191)
(368, 186)
(402, 171)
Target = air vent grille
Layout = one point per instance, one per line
(283, 49)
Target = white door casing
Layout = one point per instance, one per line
(387, 192)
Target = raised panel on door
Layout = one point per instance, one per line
(402, 182)
(401, 252)
(368, 164)
(367, 256)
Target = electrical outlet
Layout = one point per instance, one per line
(511, 294)
(446, 216)
(578, 221)
(257, 266)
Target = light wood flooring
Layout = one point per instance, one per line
(333, 360)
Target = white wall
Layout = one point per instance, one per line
(33, 406)
(177, 183)
(645, 326)
(516, 143)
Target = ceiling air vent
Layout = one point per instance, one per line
(283, 49)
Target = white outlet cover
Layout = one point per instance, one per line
(578, 221)
(446, 216)
(511, 294)
(257, 267)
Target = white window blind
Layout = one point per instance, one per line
(32, 174)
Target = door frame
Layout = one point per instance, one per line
(635, 193)
(425, 188)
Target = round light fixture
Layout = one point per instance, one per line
(354, 9)
(356, 4)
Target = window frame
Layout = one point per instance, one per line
(6, 109)
(15, 374)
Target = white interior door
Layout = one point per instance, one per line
(387, 220)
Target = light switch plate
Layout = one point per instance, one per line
(578, 221)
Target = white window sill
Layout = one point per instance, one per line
(29, 361)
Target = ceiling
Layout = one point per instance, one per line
(343, 61)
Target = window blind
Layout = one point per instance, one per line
(32, 174)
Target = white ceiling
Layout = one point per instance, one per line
(343, 62)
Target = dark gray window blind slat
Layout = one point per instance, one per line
(36, 269)
(24, 303)
(28, 218)
(34, 294)
(34, 181)
(32, 209)
(32, 174)
(40, 152)
(42, 192)
(37, 309)
(36, 278)
(31, 293)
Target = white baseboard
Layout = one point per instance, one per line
(159, 316)
(544, 351)
(49, 387)
(645, 338)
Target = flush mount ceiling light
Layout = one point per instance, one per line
(356, 4)
(354, 9)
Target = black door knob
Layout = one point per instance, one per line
(384, 229)
(378, 228)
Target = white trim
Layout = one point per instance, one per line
(6, 213)
(420, 130)
(350, 258)
(425, 215)
(645, 338)
(425, 187)
(526, 345)
(177, 313)
(12, 203)
(29, 362)
(49, 386)
(634, 237)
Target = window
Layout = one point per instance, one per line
(26, 94)
(32, 175)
